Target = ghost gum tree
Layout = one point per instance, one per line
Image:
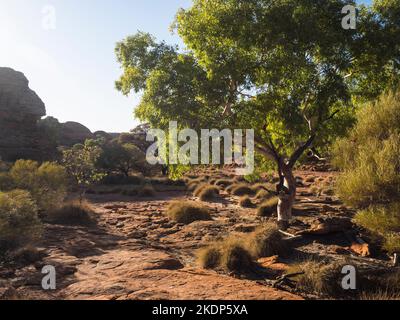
(283, 68)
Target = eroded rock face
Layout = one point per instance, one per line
(20, 110)
(73, 133)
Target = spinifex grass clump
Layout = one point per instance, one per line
(245, 202)
(187, 212)
(238, 253)
(268, 207)
(72, 213)
(267, 241)
(320, 278)
(147, 192)
(209, 193)
(242, 190)
(229, 255)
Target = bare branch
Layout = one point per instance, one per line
(297, 154)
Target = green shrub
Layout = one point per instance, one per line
(383, 221)
(46, 183)
(369, 157)
(266, 241)
(19, 222)
(6, 182)
(268, 207)
(187, 212)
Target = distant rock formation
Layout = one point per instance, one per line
(73, 133)
(65, 134)
(20, 110)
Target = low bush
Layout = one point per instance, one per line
(19, 222)
(382, 221)
(264, 195)
(47, 183)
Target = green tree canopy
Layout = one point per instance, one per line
(285, 68)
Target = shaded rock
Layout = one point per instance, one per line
(245, 228)
(8, 293)
(72, 133)
(273, 263)
(324, 226)
(20, 110)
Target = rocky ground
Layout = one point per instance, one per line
(135, 252)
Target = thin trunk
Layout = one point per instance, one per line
(286, 195)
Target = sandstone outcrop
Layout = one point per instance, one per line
(73, 133)
(20, 110)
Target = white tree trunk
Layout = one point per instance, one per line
(287, 197)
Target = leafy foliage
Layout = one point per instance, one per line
(19, 222)
(369, 158)
(80, 162)
(47, 183)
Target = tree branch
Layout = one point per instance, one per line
(297, 154)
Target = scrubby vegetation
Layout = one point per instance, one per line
(72, 213)
(229, 255)
(187, 212)
(19, 221)
(370, 161)
(267, 241)
(238, 254)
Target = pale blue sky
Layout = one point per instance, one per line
(73, 68)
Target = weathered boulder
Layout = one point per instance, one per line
(20, 110)
(73, 133)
